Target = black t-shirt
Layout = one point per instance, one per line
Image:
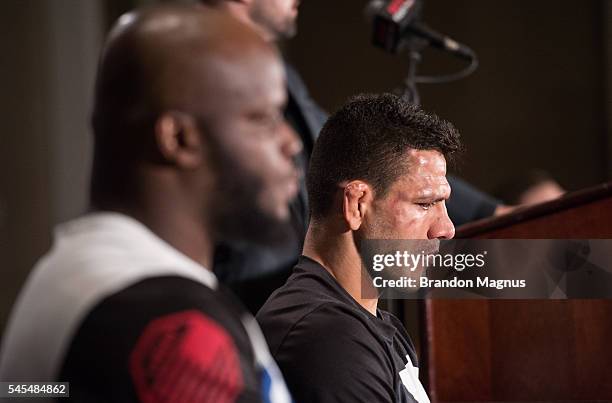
(165, 339)
(330, 349)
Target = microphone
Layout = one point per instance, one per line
(441, 41)
(395, 21)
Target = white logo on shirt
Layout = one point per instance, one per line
(410, 379)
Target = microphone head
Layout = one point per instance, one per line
(402, 12)
(390, 18)
(397, 24)
(373, 8)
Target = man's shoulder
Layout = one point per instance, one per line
(330, 354)
(139, 303)
(312, 302)
(333, 329)
(307, 290)
(144, 330)
(334, 317)
(299, 326)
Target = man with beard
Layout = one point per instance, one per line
(378, 171)
(254, 272)
(189, 150)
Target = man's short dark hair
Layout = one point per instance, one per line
(367, 139)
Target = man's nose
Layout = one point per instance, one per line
(442, 227)
(290, 142)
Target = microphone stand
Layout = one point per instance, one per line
(409, 91)
(414, 45)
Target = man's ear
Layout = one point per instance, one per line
(178, 140)
(356, 199)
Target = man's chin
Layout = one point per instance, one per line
(288, 32)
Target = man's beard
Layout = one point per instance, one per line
(286, 29)
(237, 215)
(384, 240)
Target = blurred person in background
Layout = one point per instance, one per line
(532, 187)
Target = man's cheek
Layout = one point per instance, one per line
(257, 156)
(406, 213)
(280, 164)
(408, 220)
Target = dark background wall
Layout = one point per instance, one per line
(25, 216)
(537, 101)
(48, 56)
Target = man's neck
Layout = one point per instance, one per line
(241, 12)
(335, 250)
(170, 221)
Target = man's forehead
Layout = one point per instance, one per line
(259, 72)
(424, 174)
(229, 84)
(426, 160)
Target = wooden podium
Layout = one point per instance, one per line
(531, 350)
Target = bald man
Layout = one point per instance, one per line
(189, 150)
(253, 271)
